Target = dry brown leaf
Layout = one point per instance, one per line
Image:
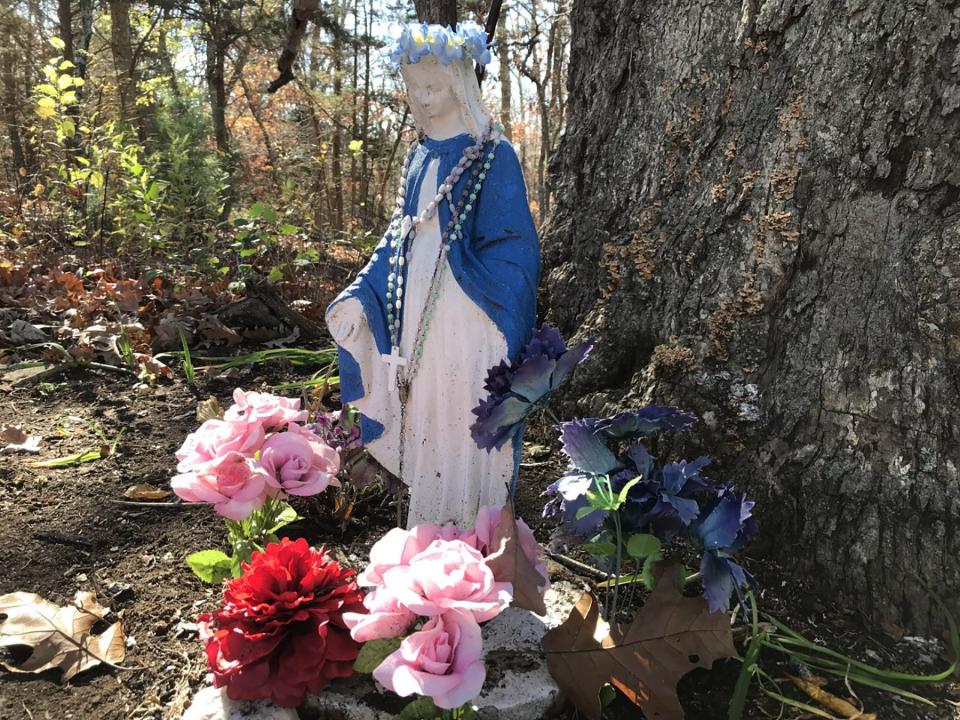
(511, 564)
(13, 439)
(209, 409)
(669, 637)
(145, 492)
(59, 636)
(830, 701)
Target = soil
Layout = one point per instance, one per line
(71, 529)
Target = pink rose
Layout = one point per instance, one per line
(265, 409)
(386, 618)
(398, 546)
(216, 438)
(298, 466)
(448, 575)
(488, 518)
(442, 660)
(233, 483)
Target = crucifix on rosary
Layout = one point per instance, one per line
(394, 360)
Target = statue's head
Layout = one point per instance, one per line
(437, 65)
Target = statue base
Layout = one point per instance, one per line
(518, 685)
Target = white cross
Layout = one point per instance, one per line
(394, 360)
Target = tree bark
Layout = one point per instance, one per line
(443, 12)
(122, 50)
(505, 95)
(8, 64)
(65, 21)
(757, 212)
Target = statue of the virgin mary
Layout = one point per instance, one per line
(449, 292)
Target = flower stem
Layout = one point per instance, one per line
(616, 587)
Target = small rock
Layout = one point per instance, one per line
(168, 557)
(213, 704)
(118, 591)
(81, 577)
(539, 452)
(185, 629)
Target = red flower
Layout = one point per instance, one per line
(280, 632)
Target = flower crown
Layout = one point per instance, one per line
(409, 42)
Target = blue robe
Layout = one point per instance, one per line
(496, 263)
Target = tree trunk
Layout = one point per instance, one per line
(757, 212)
(443, 12)
(8, 63)
(65, 21)
(505, 96)
(122, 51)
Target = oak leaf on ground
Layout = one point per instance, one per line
(60, 637)
(670, 636)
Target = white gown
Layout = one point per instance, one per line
(448, 475)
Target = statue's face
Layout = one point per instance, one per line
(429, 86)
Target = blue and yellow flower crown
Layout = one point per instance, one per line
(409, 42)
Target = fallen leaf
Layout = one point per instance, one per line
(511, 564)
(830, 701)
(60, 637)
(145, 492)
(209, 409)
(670, 636)
(13, 440)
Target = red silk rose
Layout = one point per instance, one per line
(280, 632)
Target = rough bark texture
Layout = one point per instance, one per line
(758, 214)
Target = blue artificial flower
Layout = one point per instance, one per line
(569, 494)
(519, 389)
(445, 44)
(724, 527)
(475, 41)
(408, 43)
(630, 425)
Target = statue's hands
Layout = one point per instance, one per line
(344, 321)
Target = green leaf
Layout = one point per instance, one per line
(265, 212)
(355, 146)
(69, 128)
(622, 498)
(608, 694)
(68, 98)
(47, 103)
(247, 252)
(57, 43)
(47, 89)
(66, 65)
(152, 192)
(420, 709)
(373, 653)
(642, 545)
(601, 549)
(287, 515)
(64, 81)
(584, 511)
(211, 566)
(288, 229)
(276, 274)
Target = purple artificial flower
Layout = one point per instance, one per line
(587, 451)
(722, 528)
(630, 425)
(518, 389)
(569, 494)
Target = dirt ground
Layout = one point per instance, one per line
(71, 529)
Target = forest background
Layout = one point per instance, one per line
(145, 132)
